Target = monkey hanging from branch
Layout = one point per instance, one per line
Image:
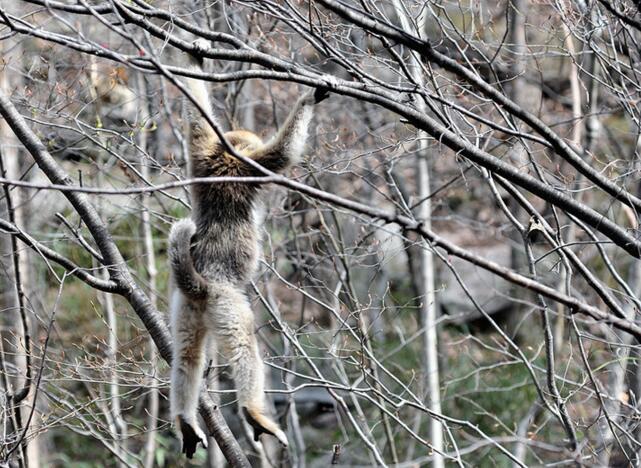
(213, 256)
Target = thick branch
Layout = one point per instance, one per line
(625, 17)
(423, 47)
(392, 102)
(118, 271)
(72, 268)
(157, 328)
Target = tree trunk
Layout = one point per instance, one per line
(423, 213)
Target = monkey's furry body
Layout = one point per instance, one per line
(213, 256)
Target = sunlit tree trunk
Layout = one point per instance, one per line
(17, 308)
(423, 212)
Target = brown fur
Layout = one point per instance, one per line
(214, 255)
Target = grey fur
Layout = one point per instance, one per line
(213, 256)
(188, 280)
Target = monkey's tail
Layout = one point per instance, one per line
(188, 280)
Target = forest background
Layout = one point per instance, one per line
(451, 275)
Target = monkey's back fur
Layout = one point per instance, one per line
(227, 233)
(213, 256)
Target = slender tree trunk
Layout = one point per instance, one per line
(517, 153)
(16, 315)
(516, 44)
(577, 133)
(150, 266)
(119, 428)
(424, 214)
(117, 424)
(634, 387)
(615, 386)
(428, 307)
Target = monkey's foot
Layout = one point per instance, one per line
(191, 435)
(264, 425)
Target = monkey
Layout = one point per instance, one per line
(214, 254)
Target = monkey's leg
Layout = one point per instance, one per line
(233, 325)
(189, 343)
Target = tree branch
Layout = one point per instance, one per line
(118, 272)
(376, 25)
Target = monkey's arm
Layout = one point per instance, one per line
(203, 135)
(286, 147)
(188, 280)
